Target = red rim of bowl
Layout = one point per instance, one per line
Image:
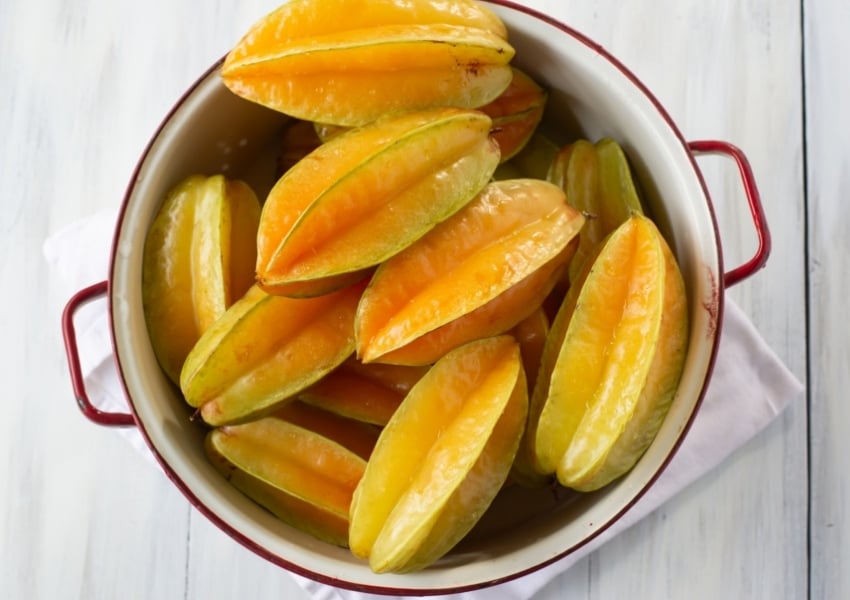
(325, 579)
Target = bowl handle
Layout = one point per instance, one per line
(93, 413)
(747, 269)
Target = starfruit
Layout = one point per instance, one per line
(533, 161)
(363, 196)
(498, 249)
(497, 316)
(531, 334)
(612, 360)
(301, 463)
(442, 458)
(350, 62)
(368, 393)
(598, 181)
(198, 259)
(264, 350)
(516, 113)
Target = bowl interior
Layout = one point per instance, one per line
(591, 95)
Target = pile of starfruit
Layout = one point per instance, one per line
(433, 301)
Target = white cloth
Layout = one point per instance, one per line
(750, 386)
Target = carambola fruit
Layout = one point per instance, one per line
(198, 259)
(598, 181)
(477, 274)
(516, 113)
(368, 193)
(351, 62)
(533, 161)
(442, 458)
(365, 392)
(612, 360)
(301, 463)
(264, 350)
(531, 334)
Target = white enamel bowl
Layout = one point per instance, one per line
(592, 95)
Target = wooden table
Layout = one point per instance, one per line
(84, 84)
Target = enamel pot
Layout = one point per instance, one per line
(591, 95)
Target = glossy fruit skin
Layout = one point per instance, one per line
(266, 349)
(198, 259)
(617, 342)
(597, 180)
(510, 232)
(382, 58)
(368, 393)
(657, 394)
(516, 113)
(367, 194)
(531, 334)
(442, 458)
(300, 463)
(534, 159)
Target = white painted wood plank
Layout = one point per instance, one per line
(221, 568)
(827, 97)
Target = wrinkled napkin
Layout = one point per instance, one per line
(750, 386)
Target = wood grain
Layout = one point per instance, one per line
(827, 97)
(84, 85)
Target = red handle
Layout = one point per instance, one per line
(747, 269)
(93, 413)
